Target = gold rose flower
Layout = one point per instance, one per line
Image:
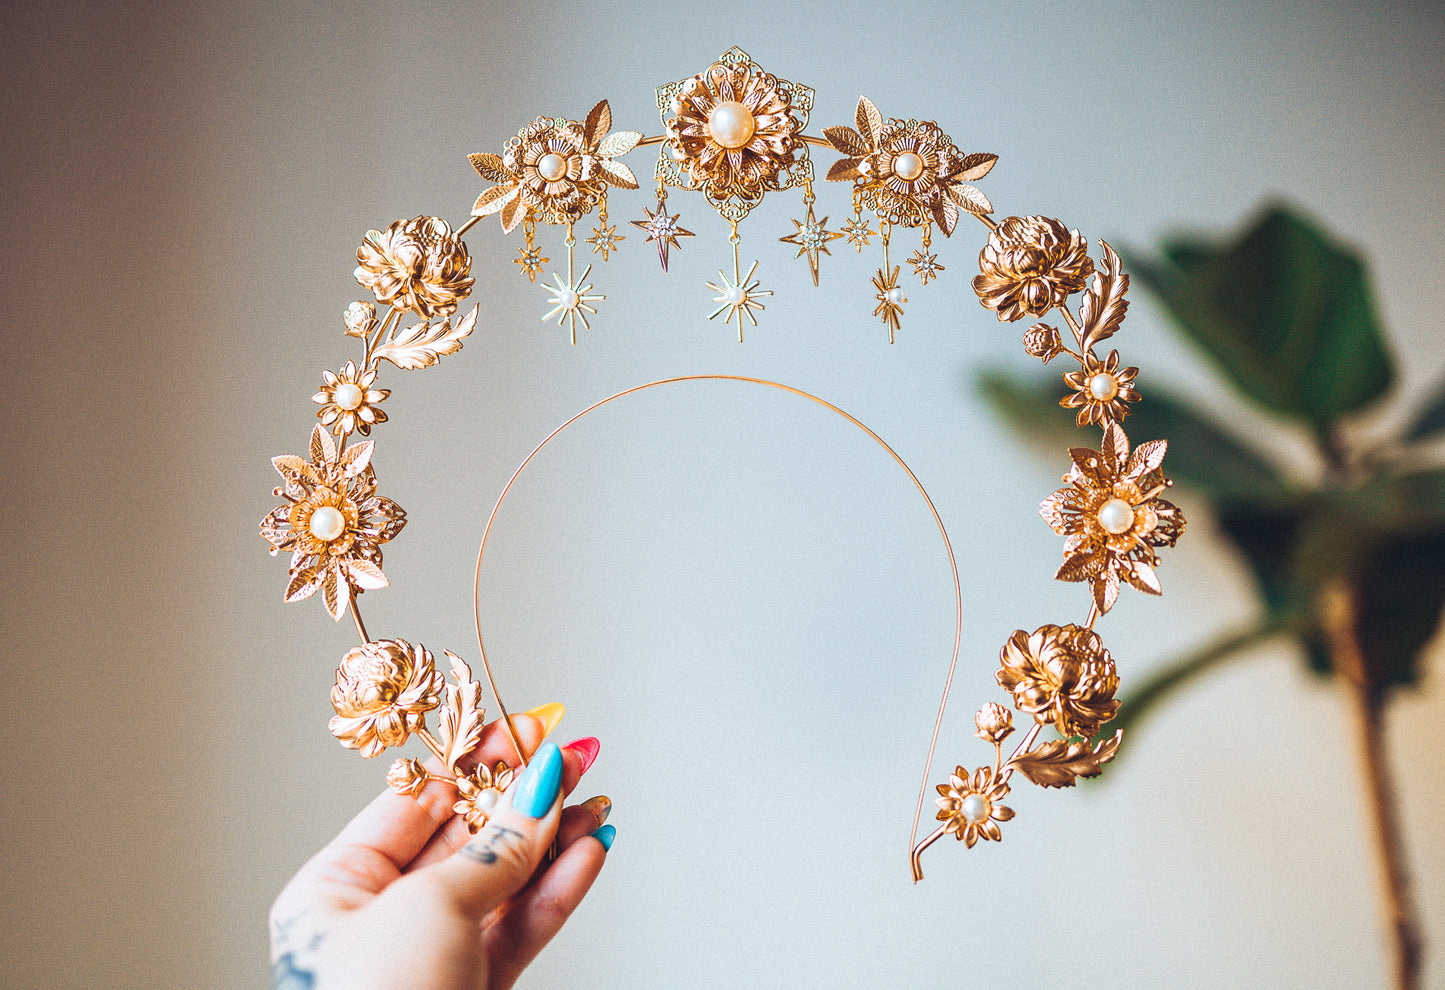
(1113, 517)
(333, 524)
(910, 170)
(733, 129)
(407, 777)
(1030, 265)
(1063, 676)
(348, 402)
(1102, 390)
(994, 722)
(555, 167)
(416, 265)
(479, 792)
(383, 691)
(970, 807)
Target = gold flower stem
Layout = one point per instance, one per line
(1028, 741)
(356, 618)
(1093, 616)
(471, 222)
(424, 734)
(387, 322)
(1340, 620)
(987, 221)
(1078, 334)
(919, 849)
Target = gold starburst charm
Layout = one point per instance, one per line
(738, 298)
(925, 266)
(531, 259)
(604, 239)
(858, 232)
(890, 300)
(811, 239)
(571, 301)
(662, 227)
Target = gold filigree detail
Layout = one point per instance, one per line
(417, 265)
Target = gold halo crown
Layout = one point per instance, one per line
(735, 133)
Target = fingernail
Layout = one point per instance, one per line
(605, 835)
(540, 783)
(587, 747)
(549, 715)
(600, 807)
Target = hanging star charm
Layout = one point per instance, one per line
(811, 237)
(531, 260)
(571, 301)
(738, 298)
(925, 266)
(858, 232)
(662, 228)
(604, 239)
(890, 300)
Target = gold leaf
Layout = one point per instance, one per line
(364, 574)
(618, 174)
(303, 585)
(599, 122)
(331, 593)
(975, 167)
(490, 167)
(847, 140)
(1141, 575)
(294, 469)
(426, 343)
(1082, 566)
(1104, 305)
(619, 143)
(462, 718)
(1059, 763)
(356, 457)
(971, 199)
(1146, 457)
(494, 199)
(1106, 590)
(945, 214)
(870, 121)
(843, 169)
(1116, 443)
(321, 448)
(512, 214)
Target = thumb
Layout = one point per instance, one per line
(498, 860)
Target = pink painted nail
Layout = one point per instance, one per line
(587, 747)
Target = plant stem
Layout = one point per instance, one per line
(1338, 608)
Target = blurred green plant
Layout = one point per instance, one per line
(1349, 560)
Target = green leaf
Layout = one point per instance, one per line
(1201, 455)
(1430, 419)
(1401, 593)
(1286, 313)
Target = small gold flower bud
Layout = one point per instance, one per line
(406, 777)
(1043, 342)
(994, 722)
(360, 319)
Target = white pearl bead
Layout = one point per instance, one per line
(1103, 386)
(568, 299)
(327, 523)
(731, 124)
(908, 166)
(348, 396)
(487, 800)
(1116, 516)
(735, 295)
(552, 167)
(975, 808)
(895, 296)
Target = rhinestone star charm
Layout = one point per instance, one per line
(663, 228)
(925, 266)
(858, 232)
(531, 260)
(604, 239)
(811, 238)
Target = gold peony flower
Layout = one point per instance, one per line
(1030, 265)
(407, 777)
(994, 722)
(383, 691)
(733, 129)
(1102, 391)
(416, 265)
(555, 167)
(910, 170)
(479, 792)
(970, 807)
(1063, 676)
(333, 523)
(348, 402)
(1113, 517)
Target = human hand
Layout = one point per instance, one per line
(407, 896)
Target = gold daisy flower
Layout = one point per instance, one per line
(1063, 676)
(733, 129)
(383, 691)
(333, 524)
(970, 807)
(1102, 390)
(416, 265)
(1113, 517)
(479, 792)
(348, 402)
(1030, 265)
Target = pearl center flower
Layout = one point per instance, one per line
(348, 396)
(908, 166)
(551, 166)
(975, 808)
(1116, 516)
(327, 523)
(1103, 386)
(731, 124)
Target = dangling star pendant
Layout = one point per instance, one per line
(571, 301)
(662, 228)
(890, 300)
(811, 238)
(738, 298)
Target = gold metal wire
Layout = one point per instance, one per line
(938, 520)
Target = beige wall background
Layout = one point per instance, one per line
(737, 592)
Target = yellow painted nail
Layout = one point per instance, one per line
(549, 715)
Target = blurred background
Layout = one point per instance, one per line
(740, 594)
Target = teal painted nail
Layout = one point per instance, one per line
(540, 782)
(605, 835)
